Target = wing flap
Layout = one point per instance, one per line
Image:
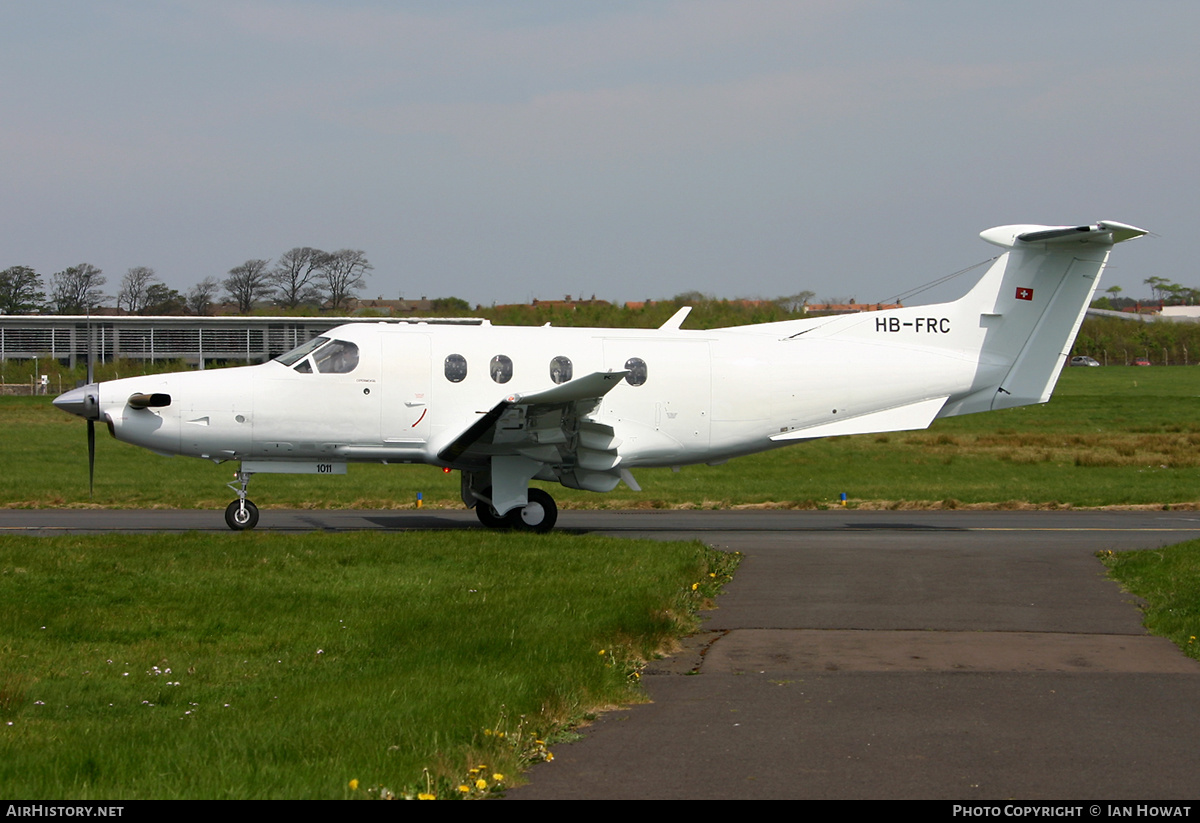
(550, 426)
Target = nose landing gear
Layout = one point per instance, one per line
(241, 514)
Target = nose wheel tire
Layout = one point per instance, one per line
(240, 517)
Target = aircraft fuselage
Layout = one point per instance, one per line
(705, 396)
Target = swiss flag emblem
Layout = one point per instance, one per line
(1024, 293)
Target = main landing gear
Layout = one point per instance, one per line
(538, 515)
(241, 514)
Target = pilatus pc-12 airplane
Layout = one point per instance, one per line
(587, 407)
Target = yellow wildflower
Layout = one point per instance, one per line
(481, 784)
(426, 796)
(497, 777)
(464, 788)
(354, 785)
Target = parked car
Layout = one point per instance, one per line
(1084, 360)
(1141, 361)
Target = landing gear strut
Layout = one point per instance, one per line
(241, 514)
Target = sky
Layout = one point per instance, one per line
(505, 151)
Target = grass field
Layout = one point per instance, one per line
(1168, 581)
(1110, 436)
(255, 665)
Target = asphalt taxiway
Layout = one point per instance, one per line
(957, 655)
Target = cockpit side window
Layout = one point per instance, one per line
(339, 357)
(301, 351)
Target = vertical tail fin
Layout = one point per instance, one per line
(1030, 304)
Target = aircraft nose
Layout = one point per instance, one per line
(83, 402)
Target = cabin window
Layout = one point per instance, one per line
(456, 368)
(561, 369)
(304, 366)
(501, 368)
(339, 357)
(637, 371)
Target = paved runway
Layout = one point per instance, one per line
(957, 655)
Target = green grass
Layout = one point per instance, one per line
(270, 666)
(1168, 580)
(1110, 436)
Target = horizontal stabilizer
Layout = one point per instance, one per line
(1105, 232)
(901, 418)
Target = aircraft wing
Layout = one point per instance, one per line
(549, 427)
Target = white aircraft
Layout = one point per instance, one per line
(584, 407)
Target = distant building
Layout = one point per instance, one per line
(1181, 312)
(567, 302)
(194, 340)
(848, 308)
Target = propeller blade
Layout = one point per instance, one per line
(91, 421)
(91, 457)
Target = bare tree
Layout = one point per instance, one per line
(342, 272)
(795, 302)
(134, 285)
(76, 290)
(20, 290)
(247, 284)
(201, 296)
(295, 276)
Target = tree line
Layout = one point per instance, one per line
(301, 277)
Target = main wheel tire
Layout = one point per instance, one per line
(239, 518)
(538, 515)
(487, 515)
